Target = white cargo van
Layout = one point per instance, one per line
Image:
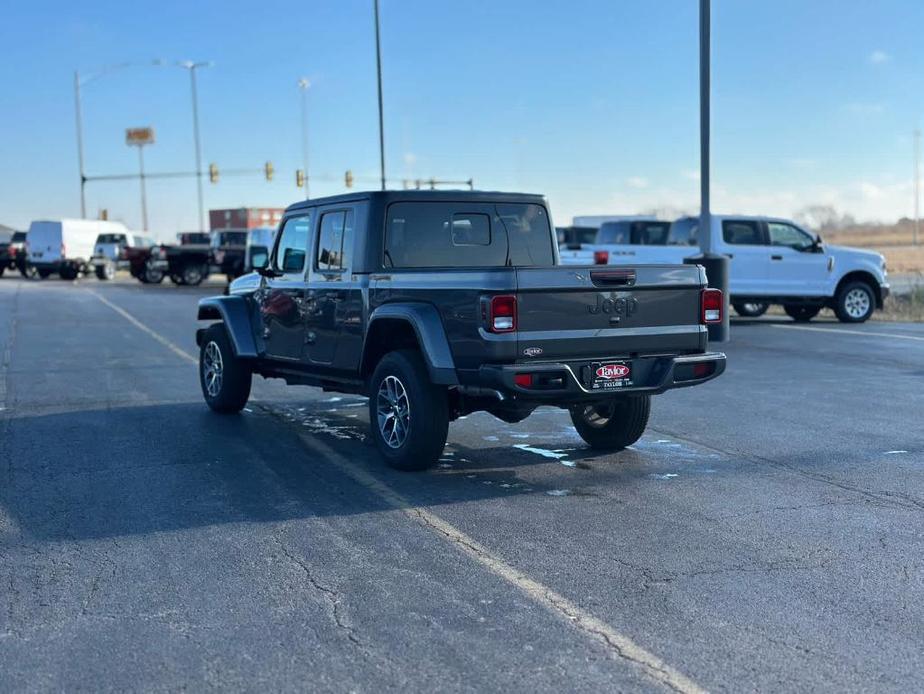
(65, 246)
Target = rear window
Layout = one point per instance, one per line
(18, 237)
(638, 233)
(231, 238)
(435, 234)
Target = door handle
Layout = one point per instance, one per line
(776, 257)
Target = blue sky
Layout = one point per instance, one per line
(593, 103)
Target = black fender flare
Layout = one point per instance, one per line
(431, 336)
(234, 313)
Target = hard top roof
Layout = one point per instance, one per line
(389, 196)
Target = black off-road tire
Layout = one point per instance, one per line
(750, 309)
(230, 394)
(43, 274)
(613, 425)
(151, 274)
(801, 313)
(192, 274)
(105, 272)
(427, 422)
(849, 304)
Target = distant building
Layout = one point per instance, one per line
(245, 218)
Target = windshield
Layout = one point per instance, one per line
(110, 238)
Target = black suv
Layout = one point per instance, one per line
(437, 304)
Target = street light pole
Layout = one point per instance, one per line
(715, 264)
(79, 116)
(192, 67)
(144, 196)
(378, 66)
(303, 85)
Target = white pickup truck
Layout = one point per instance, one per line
(773, 261)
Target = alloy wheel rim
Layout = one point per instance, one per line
(857, 303)
(191, 275)
(393, 411)
(212, 369)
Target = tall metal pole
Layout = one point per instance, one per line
(144, 196)
(303, 85)
(715, 264)
(378, 66)
(195, 110)
(705, 214)
(79, 116)
(917, 183)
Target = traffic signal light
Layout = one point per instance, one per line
(348, 178)
(269, 170)
(299, 178)
(213, 173)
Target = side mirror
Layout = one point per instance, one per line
(266, 271)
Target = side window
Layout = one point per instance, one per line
(790, 236)
(684, 232)
(293, 245)
(651, 233)
(741, 232)
(335, 238)
(471, 229)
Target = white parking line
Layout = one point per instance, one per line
(142, 327)
(917, 338)
(617, 644)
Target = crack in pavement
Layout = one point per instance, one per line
(333, 597)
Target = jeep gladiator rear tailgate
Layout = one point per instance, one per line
(567, 313)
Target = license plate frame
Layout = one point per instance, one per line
(610, 379)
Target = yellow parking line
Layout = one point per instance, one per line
(142, 327)
(845, 331)
(617, 644)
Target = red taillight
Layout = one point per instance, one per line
(502, 317)
(523, 380)
(601, 257)
(12, 251)
(713, 304)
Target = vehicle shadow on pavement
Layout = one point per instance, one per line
(141, 470)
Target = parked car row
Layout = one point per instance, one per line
(772, 261)
(74, 247)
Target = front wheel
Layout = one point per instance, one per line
(152, 275)
(855, 302)
(28, 271)
(750, 309)
(612, 425)
(801, 313)
(408, 415)
(224, 378)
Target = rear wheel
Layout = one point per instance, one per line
(224, 378)
(105, 271)
(855, 302)
(750, 309)
(176, 279)
(43, 274)
(193, 274)
(408, 415)
(612, 425)
(801, 313)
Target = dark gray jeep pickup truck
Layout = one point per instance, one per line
(438, 304)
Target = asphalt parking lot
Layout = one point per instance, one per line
(764, 534)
